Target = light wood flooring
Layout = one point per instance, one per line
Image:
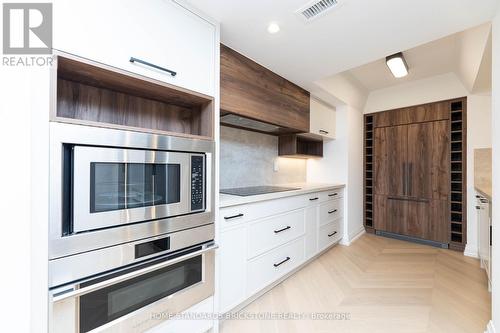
(385, 285)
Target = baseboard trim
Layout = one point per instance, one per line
(348, 242)
(471, 252)
(490, 328)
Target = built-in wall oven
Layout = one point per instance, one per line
(131, 227)
(132, 287)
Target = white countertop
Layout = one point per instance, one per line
(227, 200)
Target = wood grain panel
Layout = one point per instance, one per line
(413, 114)
(441, 160)
(419, 162)
(88, 103)
(251, 90)
(390, 155)
(397, 212)
(418, 219)
(439, 226)
(380, 212)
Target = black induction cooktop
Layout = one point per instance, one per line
(255, 190)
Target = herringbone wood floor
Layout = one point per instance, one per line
(385, 285)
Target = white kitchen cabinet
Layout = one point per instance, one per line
(160, 32)
(322, 119)
(483, 207)
(271, 232)
(261, 242)
(232, 266)
(311, 237)
(272, 265)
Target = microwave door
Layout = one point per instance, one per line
(113, 187)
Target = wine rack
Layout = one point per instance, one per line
(458, 161)
(368, 173)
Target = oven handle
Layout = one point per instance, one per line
(79, 292)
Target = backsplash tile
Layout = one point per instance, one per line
(247, 160)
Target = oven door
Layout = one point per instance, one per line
(138, 298)
(113, 187)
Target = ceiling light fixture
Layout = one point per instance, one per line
(397, 64)
(273, 28)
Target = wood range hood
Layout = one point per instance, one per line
(256, 99)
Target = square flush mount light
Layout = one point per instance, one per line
(397, 64)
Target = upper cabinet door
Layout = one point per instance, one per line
(322, 119)
(391, 144)
(428, 160)
(159, 32)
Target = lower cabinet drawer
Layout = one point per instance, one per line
(329, 211)
(272, 232)
(269, 267)
(329, 234)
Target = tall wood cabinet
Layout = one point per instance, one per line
(409, 176)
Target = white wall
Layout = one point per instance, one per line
(478, 136)
(437, 88)
(496, 174)
(343, 163)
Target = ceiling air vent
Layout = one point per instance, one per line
(316, 8)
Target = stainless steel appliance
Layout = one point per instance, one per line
(131, 228)
(112, 186)
(140, 285)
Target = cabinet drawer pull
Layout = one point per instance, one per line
(282, 262)
(324, 132)
(281, 230)
(333, 194)
(132, 60)
(332, 211)
(233, 217)
(334, 233)
(312, 199)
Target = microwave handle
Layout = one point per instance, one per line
(79, 292)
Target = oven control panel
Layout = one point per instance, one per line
(197, 182)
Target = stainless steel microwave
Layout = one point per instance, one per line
(110, 186)
(117, 186)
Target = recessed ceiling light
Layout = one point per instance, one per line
(273, 28)
(397, 64)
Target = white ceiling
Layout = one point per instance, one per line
(355, 33)
(437, 57)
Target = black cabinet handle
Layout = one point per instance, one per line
(233, 217)
(324, 132)
(132, 60)
(477, 207)
(333, 194)
(312, 199)
(491, 231)
(282, 262)
(334, 233)
(332, 211)
(281, 230)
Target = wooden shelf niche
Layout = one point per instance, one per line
(292, 145)
(93, 94)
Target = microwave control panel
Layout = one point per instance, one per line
(197, 182)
